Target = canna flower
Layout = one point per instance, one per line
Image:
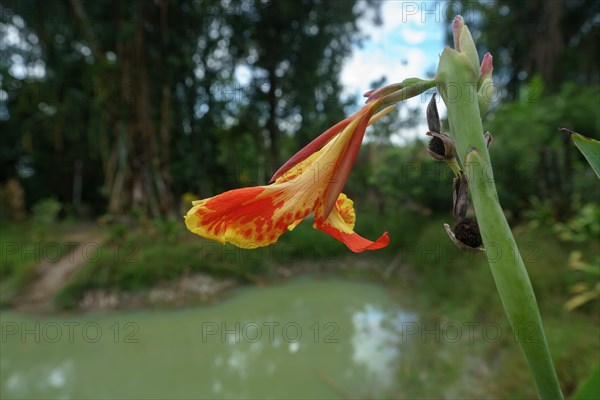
(310, 182)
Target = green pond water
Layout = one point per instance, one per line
(306, 339)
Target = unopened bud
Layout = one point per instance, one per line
(457, 25)
(487, 67)
(463, 41)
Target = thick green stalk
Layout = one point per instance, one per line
(457, 83)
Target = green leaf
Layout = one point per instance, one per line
(589, 147)
(590, 389)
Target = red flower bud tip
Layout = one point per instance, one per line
(486, 66)
(457, 26)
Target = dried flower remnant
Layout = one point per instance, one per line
(460, 196)
(433, 118)
(441, 147)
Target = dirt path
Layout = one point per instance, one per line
(51, 276)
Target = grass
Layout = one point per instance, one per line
(22, 247)
(143, 259)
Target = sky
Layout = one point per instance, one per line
(406, 45)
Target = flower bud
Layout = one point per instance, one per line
(433, 118)
(487, 67)
(463, 41)
(441, 147)
(485, 84)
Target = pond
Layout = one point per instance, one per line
(310, 338)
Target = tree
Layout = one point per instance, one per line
(296, 52)
(138, 102)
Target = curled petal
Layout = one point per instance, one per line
(313, 146)
(352, 140)
(327, 136)
(340, 225)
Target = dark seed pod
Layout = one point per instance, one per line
(465, 235)
(436, 146)
(467, 231)
(441, 147)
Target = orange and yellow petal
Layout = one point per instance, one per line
(318, 143)
(249, 217)
(340, 224)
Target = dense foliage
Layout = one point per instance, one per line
(126, 106)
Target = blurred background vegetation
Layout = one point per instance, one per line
(115, 115)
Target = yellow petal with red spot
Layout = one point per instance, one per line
(340, 225)
(249, 217)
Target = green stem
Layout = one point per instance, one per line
(457, 83)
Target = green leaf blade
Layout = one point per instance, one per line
(590, 149)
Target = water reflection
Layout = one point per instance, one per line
(42, 378)
(376, 343)
(315, 338)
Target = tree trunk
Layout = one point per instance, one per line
(272, 121)
(137, 174)
(548, 45)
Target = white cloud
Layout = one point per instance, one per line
(413, 36)
(367, 66)
(406, 45)
(392, 18)
(403, 46)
